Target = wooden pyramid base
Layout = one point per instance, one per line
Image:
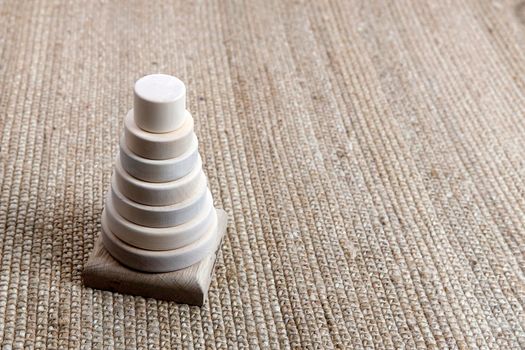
(186, 286)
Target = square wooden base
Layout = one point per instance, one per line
(187, 286)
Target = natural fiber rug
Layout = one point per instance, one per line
(370, 156)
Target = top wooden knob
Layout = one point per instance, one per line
(160, 103)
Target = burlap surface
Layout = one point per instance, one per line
(370, 156)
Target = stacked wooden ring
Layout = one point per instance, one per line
(159, 214)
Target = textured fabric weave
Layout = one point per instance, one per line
(370, 156)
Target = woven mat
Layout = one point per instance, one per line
(370, 156)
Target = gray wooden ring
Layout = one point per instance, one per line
(159, 193)
(159, 216)
(163, 170)
(159, 261)
(154, 238)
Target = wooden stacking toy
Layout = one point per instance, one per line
(160, 231)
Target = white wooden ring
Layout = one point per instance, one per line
(164, 170)
(154, 238)
(158, 146)
(159, 103)
(159, 216)
(159, 261)
(159, 193)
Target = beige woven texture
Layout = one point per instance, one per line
(370, 156)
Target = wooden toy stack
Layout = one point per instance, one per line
(159, 224)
